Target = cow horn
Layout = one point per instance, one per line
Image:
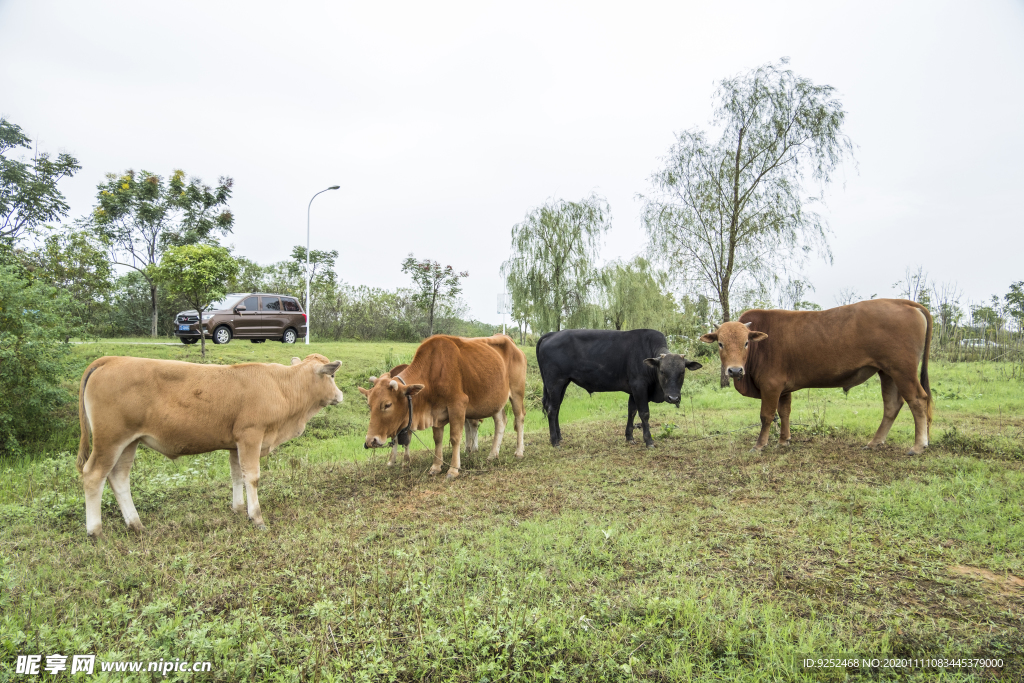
(373, 380)
(394, 384)
(747, 324)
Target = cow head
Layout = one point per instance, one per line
(733, 344)
(323, 378)
(671, 369)
(389, 408)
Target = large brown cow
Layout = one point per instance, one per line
(179, 408)
(449, 380)
(404, 439)
(771, 354)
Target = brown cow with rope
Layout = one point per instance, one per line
(771, 354)
(450, 380)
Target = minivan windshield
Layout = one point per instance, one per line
(223, 303)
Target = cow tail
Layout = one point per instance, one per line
(924, 368)
(83, 421)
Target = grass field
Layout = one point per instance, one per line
(696, 560)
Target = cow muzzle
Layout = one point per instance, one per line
(373, 442)
(734, 372)
(674, 400)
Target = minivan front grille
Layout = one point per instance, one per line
(185, 319)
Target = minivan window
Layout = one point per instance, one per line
(250, 303)
(271, 303)
(290, 305)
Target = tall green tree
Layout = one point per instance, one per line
(140, 216)
(435, 286)
(552, 271)
(635, 295)
(71, 261)
(734, 209)
(28, 189)
(199, 274)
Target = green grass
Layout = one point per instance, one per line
(696, 560)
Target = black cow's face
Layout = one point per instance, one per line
(671, 369)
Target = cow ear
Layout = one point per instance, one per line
(693, 365)
(364, 392)
(296, 360)
(413, 389)
(653, 362)
(329, 369)
(756, 336)
(709, 338)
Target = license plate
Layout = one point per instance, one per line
(183, 327)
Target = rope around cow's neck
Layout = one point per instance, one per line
(408, 428)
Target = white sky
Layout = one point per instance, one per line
(445, 123)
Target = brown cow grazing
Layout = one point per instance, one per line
(179, 408)
(404, 438)
(449, 380)
(771, 354)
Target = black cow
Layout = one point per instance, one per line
(636, 362)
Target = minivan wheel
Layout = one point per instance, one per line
(222, 335)
(289, 336)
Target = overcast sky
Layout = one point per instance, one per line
(445, 123)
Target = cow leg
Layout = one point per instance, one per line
(237, 482)
(406, 462)
(119, 482)
(499, 433)
(438, 446)
(769, 406)
(519, 414)
(457, 420)
(552, 404)
(99, 465)
(917, 400)
(394, 453)
(892, 402)
(785, 405)
(629, 420)
(249, 462)
(643, 408)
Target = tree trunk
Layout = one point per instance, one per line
(202, 337)
(152, 297)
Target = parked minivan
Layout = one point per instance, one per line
(254, 316)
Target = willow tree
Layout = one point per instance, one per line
(634, 295)
(552, 270)
(734, 211)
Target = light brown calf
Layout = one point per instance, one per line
(179, 408)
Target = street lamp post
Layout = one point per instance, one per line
(308, 272)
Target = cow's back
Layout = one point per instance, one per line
(186, 407)
(821, 348)
(600, 360)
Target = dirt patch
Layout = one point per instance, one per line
(1005, 584)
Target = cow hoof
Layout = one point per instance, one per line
(260, 525)
(452, 474)
(787, 442)
(756, 449)
(434, 470)
(520, 456)
(136, 527)
(631, 441)
(95, 535)
(650, 445)
(915, 451)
